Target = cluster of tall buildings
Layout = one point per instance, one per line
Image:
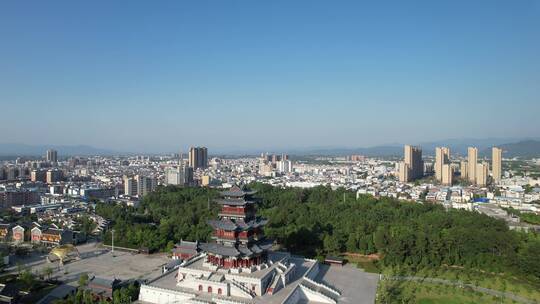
(413, 166)
(13, 172)
(23, 169)
(476, 173)
(274, 162)
(47, 176)
(182, 174)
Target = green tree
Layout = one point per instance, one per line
(352, 243)
(528, 257)
(83, 280)
(27, 278)
(20, 268)
(47, 272)
(331, 245)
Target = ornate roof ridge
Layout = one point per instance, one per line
(236, 191)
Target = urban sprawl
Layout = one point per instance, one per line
(52, 197)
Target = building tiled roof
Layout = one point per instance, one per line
(238, 251)
(186, 247)
(233, 202)
(255, 223)
(18, 227)
(187, 244)
(265, 244)
(173, 263)
(220, 249)
(224, 224)
(103, 283)
(245, 251)
(52, 231)
(239, 225)
(236, 191)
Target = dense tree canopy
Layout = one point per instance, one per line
(321, 221)
(163, 218)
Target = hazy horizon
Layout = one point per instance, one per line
(14, 148)
(140, 76)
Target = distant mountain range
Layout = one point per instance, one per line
(526, 148)
(15, 149)
(512, 147)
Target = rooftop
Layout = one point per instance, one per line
(239, 225)
(223, 250)
(236, 191)
(233, 202)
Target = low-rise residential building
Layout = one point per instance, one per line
(18, 234)
(5, 230)
(103, 289)
(51, 236)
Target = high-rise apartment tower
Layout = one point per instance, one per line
(472, 161)
(52, 156)
(198, 157)
(496, 164)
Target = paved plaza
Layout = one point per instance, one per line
(356, 286)
(101, 262)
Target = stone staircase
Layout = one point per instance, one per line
(244, 289)
(321, 290)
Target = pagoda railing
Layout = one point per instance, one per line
(223, 236)
(236, 210)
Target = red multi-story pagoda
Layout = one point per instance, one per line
(238, 233)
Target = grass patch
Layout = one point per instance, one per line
(432, 293)
(368, 267)
(367, 263)
(450, 300)
(497, 281)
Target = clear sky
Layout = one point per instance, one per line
(159, 75)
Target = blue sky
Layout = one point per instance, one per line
(162, 75)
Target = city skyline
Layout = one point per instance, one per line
(266, 73)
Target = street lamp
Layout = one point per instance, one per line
(112, 241)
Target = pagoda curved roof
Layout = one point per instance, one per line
(228, 251)
(239, 225)
(219, 249)
(224, 224)
(236, 191)
(233, 201)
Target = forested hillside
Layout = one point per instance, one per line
(320, 221)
